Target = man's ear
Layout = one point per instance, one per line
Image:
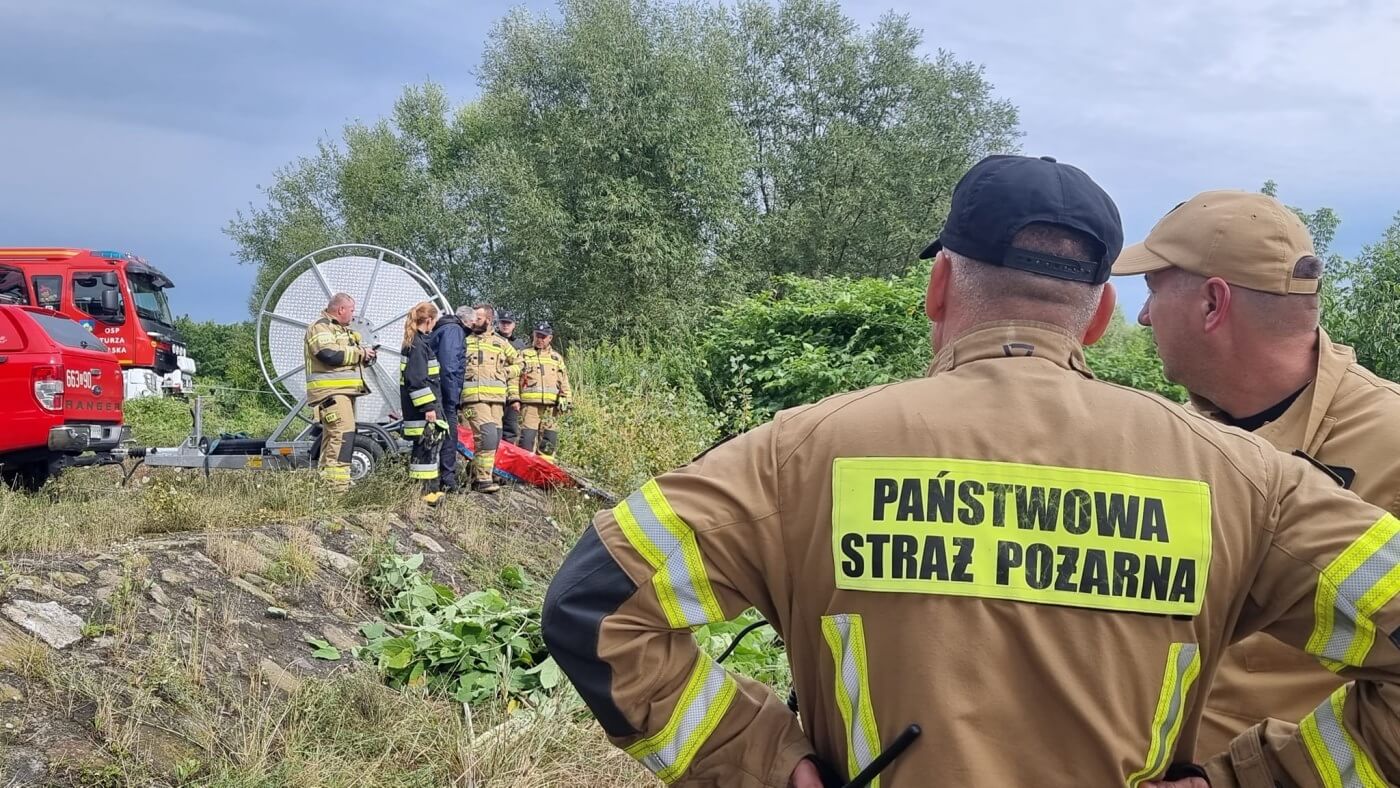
(1217, 303)
(935, 299)
(1103, 316)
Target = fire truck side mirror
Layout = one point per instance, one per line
(111, 301)
(109, 279)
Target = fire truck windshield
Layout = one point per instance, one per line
(150, 299)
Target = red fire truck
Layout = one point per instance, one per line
(117, 296)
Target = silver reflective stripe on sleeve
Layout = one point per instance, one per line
(668, 544)
(1339, 759)
(706, 698)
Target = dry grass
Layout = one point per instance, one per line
(235, 556)
(88, 508)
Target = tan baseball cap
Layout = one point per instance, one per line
(1246, 238)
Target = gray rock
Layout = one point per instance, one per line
(160, 613)
(426, 542)
(50, 621)
(109, 577)
(158, 595)
(204, 594)
(278, 677)
(104, 594)
(9, 694)
(91, 566)
(68, 579)
(342, 563)
(171, 577)
(276, 612)
(338, 637)
(249, 588)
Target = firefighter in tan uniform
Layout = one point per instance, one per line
(1038, 569)
(1233, 305)
(335, 361)
(544, 393)
(490, 386)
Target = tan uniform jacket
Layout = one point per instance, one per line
(491, 371)
(1015, 556)
(333, 361)
(544, 380)
(1348, 419)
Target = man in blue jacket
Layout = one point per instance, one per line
(449, 343)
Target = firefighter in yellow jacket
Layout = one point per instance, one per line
(1038, 569)
(1233, 304)
(491, 385)
(335, 361)
(544, 393)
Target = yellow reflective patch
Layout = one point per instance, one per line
(1026, 533)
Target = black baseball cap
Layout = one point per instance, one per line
(502, 316)
(544, 329)
(1001, 194)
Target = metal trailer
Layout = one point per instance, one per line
(386, 285)
(286, 448)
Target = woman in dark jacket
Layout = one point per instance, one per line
(420, 395)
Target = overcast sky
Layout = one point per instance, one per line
(144, 125)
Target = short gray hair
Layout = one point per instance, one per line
(997, 293)
(339, 300)
(466, 314)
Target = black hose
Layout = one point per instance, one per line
(743, 633)
(128, 473)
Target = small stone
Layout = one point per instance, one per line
(278, 677)
(161, 614)
(338, 637)
(50, 621)
(157, 595)
(249, 588)
(342, 563)
(104, 642)
(171, 577)
(189, 607)
(204, 594)
(9, 694)
(109, 577)
(91, 566)
(67, 580)
(276, 612)
(104, 594)
(257, 580)
(426, 542)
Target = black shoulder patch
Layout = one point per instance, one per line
(1342, 475)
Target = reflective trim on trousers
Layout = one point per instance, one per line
(423, 470)
(1357, 584)
(668, 544)
(1183, 666)
(706, 698)
(845, 637)
(1339, 759)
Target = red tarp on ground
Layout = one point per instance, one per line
(517, 464)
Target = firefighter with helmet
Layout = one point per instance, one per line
(491, 386)
(335, 361)
(544, 393)
(510, 418)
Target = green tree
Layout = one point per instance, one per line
(806, 338)
(632, 162)
(1366, 310)
(857, 138)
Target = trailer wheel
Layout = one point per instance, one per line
(365, 457)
